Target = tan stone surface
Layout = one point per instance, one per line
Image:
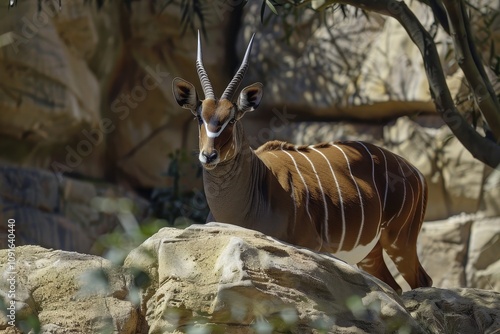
(227, 279)
(455, 310)
(345, 67)
(59, 212)
(483, 263)
(457, 182)
(490, 204)
(443, 247)
(234, 280)
(312, 71)
(50, 93)
(454, 177)
(154, 124)
(394, 71)
(462, 251)
(64, 292)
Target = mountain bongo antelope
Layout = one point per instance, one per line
(352, 199)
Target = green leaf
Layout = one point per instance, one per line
(271, 7)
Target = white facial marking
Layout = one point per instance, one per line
(211, 134)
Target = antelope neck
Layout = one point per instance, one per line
(233, 187)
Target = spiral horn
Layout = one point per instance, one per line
(238, 77)
(205, 82)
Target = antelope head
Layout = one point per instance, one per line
(217, 117)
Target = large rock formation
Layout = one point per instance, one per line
(65, 292)
(231, 279)
(61, 212)
(455, 310)
(89, 91)
(482, 268)
(50, 92)
(223, 279)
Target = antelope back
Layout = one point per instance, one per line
(348, 191)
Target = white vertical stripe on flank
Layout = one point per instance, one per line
(415, 173)
(322, 193)
(359, 194)
(292, 191)
(374, 184)
(390, 220)
(404, 188)
(386, 177)
(321, 189)
(421, 180)
(292, 194)
(303, 181)
(409, 214)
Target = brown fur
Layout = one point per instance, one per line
(398, 220)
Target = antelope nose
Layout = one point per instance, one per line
(209, 157)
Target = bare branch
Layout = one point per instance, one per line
(472, 66)
(481, 148)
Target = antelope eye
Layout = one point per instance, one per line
(198, 117)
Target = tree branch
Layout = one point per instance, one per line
(471, 64)
(481, 148)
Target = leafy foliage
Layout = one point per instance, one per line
(176, 207)
(192, 11)
(170, 207)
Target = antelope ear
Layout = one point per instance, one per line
(249, 98)
(185, 94)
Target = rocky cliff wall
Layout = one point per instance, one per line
(87, 92)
